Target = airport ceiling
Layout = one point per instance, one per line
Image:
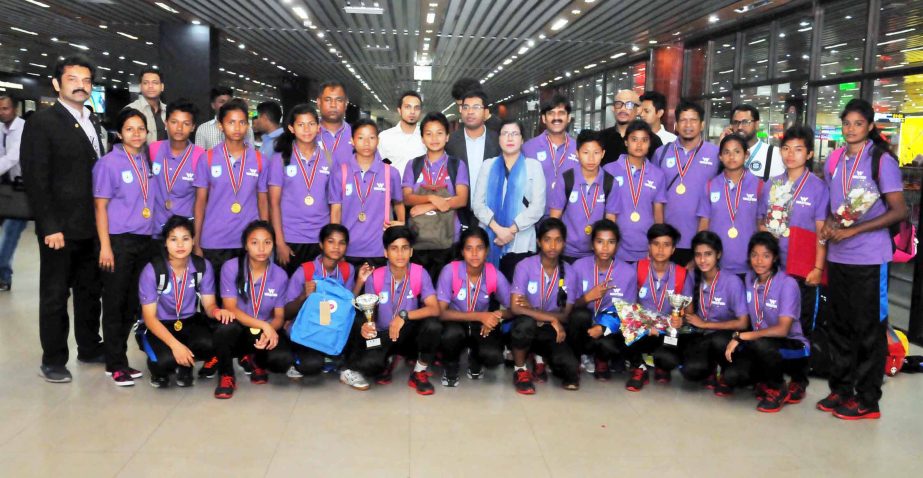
(512, 45)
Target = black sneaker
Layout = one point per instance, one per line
(99, 358)
(450, 375)
(133, 373)
(853, 410)
(184, 377)
(639, 378)
(160, 382)
(122, 378)
(246, 363)
(209, 368)
(475, 369)
(522, 380)
(386, 376)
(572, 384)
(226, 386)
(831, 402)
(773, 400)
(711, 382)
(540, 373)
(5, 285)
(796, 392)
(662, 375)
(601, 370)
(55, 374)
(722, 389)
(420, 382)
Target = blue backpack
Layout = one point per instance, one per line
(325, 332)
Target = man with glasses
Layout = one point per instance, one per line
(765, 161)
(464, 85)
(335, 136)
(625, 108)
(554, 149)
(403, 142)
(474, 142)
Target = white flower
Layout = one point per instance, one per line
(847, 222)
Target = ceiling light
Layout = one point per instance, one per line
(635, 48)
(103, 68)
(148, 43)
(40, 4)
(27, 32)
(431, 18)
(166, 7)
(899, 32)
(575, 11)
(713, 19)
(558, 24)
(618, 55)
(523, 50)
(241, 46)
(300, 12)
(507, 61)
(676, 34)
(139, 62)
(591, 65)
(363, 9)
(82, 47)
(652, 42)
(38, 65)
(196, 22)
(834, 46)
(320, 34)
(127, 35)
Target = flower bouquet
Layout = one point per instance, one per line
(780, 204)
(638, 322)
(857, 202)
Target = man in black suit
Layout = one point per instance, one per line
(625, 108)
(473, 143)
(60, 145)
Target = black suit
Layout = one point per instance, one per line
(57, 165)
(458, 148)
(614, 144)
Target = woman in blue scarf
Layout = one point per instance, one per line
(510, 200)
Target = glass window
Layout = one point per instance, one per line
(755, 55)
(723, 65)
(793, 46)
(719, 118)
(780, 106)
(696, 61)
(900, 37)
(843, 38)
(828, 133)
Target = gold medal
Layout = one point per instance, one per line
(178, 325)
(362, 217)
(255, 331)
(588, 230)
(235, 208)
(681, 189)
(146, 213)
(635, 217)
(732, 232)
(168, 204)
(309, 200)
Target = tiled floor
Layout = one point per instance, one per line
(321, 428)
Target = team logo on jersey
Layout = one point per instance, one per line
(586, 284)
(379, 186)
(291, 170)
(541, 155)
(573, 157)
(216, 171)
(715, 197)
(756, 166)
(533, 287)
(650, 184)
(601, 198)
(772, 304)
(750, 198)
(642, 293)
(803, 201)
(253, 172)
(573, 197)
(349, 189)
(127, 177)
(155, 168)
(462, 294)
(189, 177)
(383, 297)
(671, 162)
(325, 170)
(271, 293)
(749, 296)
(706, 161)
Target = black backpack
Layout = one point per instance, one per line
(608, 179)
(161, 273)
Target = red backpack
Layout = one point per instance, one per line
(490, 274)
(308, 268)
(644, 266)
(197, 151)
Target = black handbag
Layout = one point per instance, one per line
(13, 201)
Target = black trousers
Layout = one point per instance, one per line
(307, 360)
(487, 351)
(301, 253)
(857, 326)
(121, 307)
(606, 347)
(433, 260)
(699, 354)
(195, 334)
(71, 268)
(417, 339)
(509, 262)
(760, 361)
(234, 340)
(217, 258)
(527, 335)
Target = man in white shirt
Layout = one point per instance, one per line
(10, 171)
(208, 135)
(403, 142)
(653, 107)
(765, 161)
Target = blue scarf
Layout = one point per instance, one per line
(505, 206)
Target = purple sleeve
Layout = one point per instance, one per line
(822, 203)
(503, 291)
(661, 195)
(461, 177)
(444, 285)
(201, 172)
(147, 286)
(397, 194)
(612, 200)
(738, 298)
(556, 199)
(369, 287)
(520, 281)
(409, 180)
(275, 171)
(282, 286)
(704, 209)
(295, 286)
(689, 284)
(103, 186)
(657, 161)
(889, 175)
(762, 209)
(335, 185)
(790, 299)
(262, 180)
(571, 283)
(229, 279)
(426, 288)
(208, 280)
(631, 290)
(351, 280)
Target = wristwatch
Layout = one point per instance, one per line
(402, 314)
(736, 336)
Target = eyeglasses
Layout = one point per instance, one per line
(511, 134)
(742, 123)
(474, 108)
(627, 104)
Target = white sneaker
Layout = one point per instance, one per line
(588, 364)
(354, 379)
(293, 373)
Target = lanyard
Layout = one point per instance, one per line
(308, 181)
(760, 304)
(399, 299)
(759, 146)
(368, 190)
(847, 180)
(179, 292)
(658, 300)
(472, 297)
(257, 301)
(732, 212)
(683, 169)
(237, 182)
(336, 141)
(588, 210)
(170, 180)
(554, 160)
(706, 306)
(141, 174)
(635, 195)
(428, 180)
(546, 291)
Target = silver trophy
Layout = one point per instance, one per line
(678, 302)
(367, 303)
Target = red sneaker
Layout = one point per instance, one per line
(522, 380)
(540, 373)
(420, 382)
(639, 378)
(226, 386)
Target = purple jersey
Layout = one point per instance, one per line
(722, 197)
(167, 300)
(223, 227)
(395, 296)
(125, 182)
(783, 299)
(649, 188)
(363, 195)
(461, 300)
(304, 212)
(623, 280)
(540, 289)
(554, 159)
(722, 301)
(680, 210)
(806, 208)
(654, 292)
(173, 182)
(273, 292)
(584, 197)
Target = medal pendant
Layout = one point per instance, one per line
(178, 325)
(732, 233)
(309, 200)
(681, 189)
(146, 213)
(635, 217)
(236, 208)
(362, 217)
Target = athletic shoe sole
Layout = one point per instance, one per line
(135, 375)
(53, 380)
(866, 416)
(825, 409)
(411, 384)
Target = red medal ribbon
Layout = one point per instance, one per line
(336, 141)
(398, 300)
(554, 160)
(587, 210)
(308, 181)
(727, 197)
(428, 181)
(237, 182)
(472, 297)
(658, 301)
(546, 292)
(142, 178)
(635, 196)
(847, 180)
(167, 179)
(759, 304)
(599, 301)
(257, 301)
(682, 170)
(368, 190)
(711, 296)
(179, 292)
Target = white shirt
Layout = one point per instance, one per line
(207, 135)
(83, 118)
(475, 149)
(665, 136)
(400, 147)
(756, 163)
(9, 147)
